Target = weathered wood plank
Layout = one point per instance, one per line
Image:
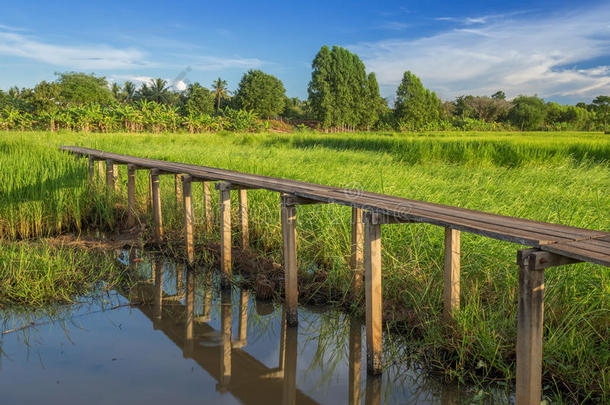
(207, 207)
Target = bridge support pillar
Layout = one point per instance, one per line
(372, 255)
(225, 233)
(357, 251)
(207, 206)
(131, 195)
(289, 236)
(188, 218)
(243, 218)
(156, 203)
(451, 287)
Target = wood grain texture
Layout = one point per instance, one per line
(374, 305)
(451, 284)
(131, 195)
(289, 234)
(225, 237)
(188, 219)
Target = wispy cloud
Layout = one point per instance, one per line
(393, 26)
(208, 63)
(92, 57)
(10, 28)
(532, 56)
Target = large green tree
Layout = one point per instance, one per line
(157, 90)
(339, 90)
(199, 99)
(262, 93)
(415, 105)
(527, 112)
(602, 107)
(81, 88)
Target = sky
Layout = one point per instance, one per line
(559, 50)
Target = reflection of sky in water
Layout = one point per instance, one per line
(116, 356)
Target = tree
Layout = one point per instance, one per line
(116, 90)
(129, 91)
(220, 89)
(499, 95)
(319, 89)
(261, 93)
(374, 102)
(339, 92)
(527, 113)
(602, 107)
(415, 106)
(199, 99)
(81, 88)
(157, 90)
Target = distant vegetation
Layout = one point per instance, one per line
(341, 96)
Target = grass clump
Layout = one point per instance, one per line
(33, 274)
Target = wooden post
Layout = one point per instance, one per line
(290, 367)
(207, 206)
(530, 314)
(131, 195)
(355, 361)
(225, 233)
(207, 297)
(357, 253)
(115, 177)
(178, 189)
(225, 321)
(100, 169)
(188, 218)
(289, 233)
(150, 192)
(243, 218)
(372, 260)
(451, 289)
(91, 169)
(156, 200)
(109, 174)
(179, 271)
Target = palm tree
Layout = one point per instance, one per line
(158, 90)
(116, 90)
(129, 91)
(220, 88)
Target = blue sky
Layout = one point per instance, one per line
(559, 50)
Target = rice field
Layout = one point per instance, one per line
(555, 177)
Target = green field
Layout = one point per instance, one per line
(555, 177)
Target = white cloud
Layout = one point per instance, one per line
(519, 56)
(208, 63)
(73, 57)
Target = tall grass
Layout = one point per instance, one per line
(556, 178)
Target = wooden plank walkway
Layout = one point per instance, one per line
(550, 244)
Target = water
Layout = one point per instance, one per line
(184, 341)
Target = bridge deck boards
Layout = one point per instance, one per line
(577, 243)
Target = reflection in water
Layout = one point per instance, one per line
(264, 362)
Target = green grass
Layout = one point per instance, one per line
(33, 274)
(554, 177)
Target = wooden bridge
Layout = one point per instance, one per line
(550, 244)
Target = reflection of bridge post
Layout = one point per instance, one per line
(207, 297)
(243, 320)
(288, 345)
(449, 395)
(158, 272)
(355, 360)
(190, 310)
(179, 270)
(373, 390)
(225, 330)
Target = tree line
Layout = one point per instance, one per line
(341, 96)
